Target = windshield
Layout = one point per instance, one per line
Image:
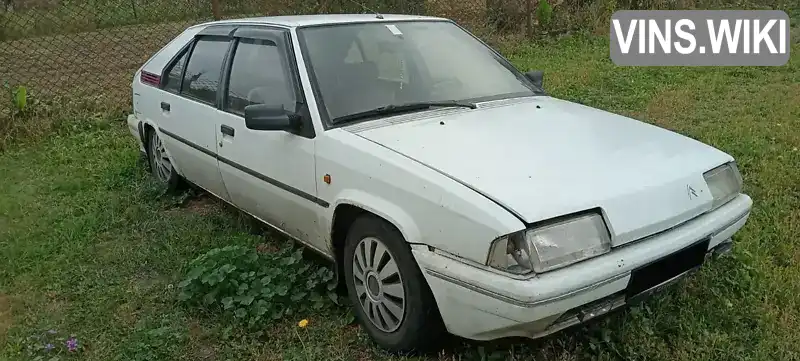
(360, 67)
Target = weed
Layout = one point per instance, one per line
(52, 345)
(19, 98)
(254, 287)
(544, 13)
(27, 118)
(154, 340)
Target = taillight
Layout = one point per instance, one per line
(150, 78)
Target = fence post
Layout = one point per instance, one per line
(529, 17)
(215, 9)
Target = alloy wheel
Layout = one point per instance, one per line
(378, 284)
(159, 159)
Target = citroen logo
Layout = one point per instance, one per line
(691, 192)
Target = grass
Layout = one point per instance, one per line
(90, 247)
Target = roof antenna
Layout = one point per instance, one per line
(377, 15)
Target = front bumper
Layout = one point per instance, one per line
(479, 304)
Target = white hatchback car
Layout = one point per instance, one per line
(451, 191)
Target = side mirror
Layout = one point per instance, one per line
(270, 117)
(537, 77)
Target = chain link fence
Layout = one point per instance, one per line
(91, 48)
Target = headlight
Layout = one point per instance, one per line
(552, 245)
(724, 182)
(511, 254)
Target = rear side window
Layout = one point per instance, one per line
(203, 70)
(259, 76)
(173, 81)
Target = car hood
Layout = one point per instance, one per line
(543, 157)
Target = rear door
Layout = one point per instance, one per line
(188, 109)
(270, 174)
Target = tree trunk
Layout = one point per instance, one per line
(215, 10)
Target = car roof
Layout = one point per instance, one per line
(294, 21)
(159, 60)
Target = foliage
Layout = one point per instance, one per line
(52, 346)
(19, 98)
(25, 117)
(153, 341)
(544, 13)
(256, 287)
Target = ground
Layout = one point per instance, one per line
(90, 247)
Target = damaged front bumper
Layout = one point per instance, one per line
(478, 304)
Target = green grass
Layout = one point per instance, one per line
(90, 247)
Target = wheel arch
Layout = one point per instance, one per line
(145, 127)
(347, 210)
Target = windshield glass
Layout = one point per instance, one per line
(360, 67)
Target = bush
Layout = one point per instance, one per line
(257, 288)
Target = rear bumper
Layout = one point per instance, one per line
(135, 127)
(479, 304)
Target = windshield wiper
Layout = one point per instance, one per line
(401, 108)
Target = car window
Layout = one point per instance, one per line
(259, 76)
(203, 70)
(388, 60)
(358, 67)
(173, 81)
(382, 49)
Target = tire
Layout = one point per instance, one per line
(402, 324)
(160, 164)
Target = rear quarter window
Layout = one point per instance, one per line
(202, 76)
(172, 81)
(161, 59)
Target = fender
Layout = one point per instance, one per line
(378, 206)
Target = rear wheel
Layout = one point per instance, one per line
(389, 294)
(160, 164)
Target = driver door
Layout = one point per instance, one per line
(270, 174)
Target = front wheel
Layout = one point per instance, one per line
(390, 297)
(160, 164)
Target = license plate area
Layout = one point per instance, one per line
(665, 271)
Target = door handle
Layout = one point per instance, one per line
(165, 106)
(226, 130)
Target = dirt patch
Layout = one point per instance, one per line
(56, 305)
(126, 314)
(202, 204)
(199, 345)
(197, 203)
(267, 248)
(5, 317)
